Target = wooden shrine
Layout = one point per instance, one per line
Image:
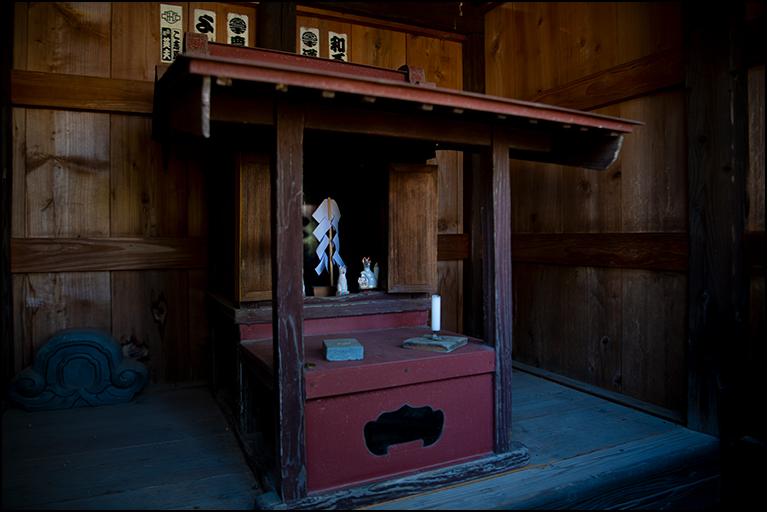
(271, 120)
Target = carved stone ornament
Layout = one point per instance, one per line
(76, 368)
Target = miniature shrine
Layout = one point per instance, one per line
(319, 430)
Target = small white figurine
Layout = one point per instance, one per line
(367, 280)
(342, 288)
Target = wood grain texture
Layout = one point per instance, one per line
(591, 200)
(253, 233)
(71, 38)
(592, 318)
(149, 310)
(20, 34)
(440, 60)
(588, 38)
(177, 436)
(18, 194)
(647, 28)
(378, 47)
(496, 276)
(146, 199)
(72, 92)
(36, 255)
(136, 39)
(536, 47)
(49, 302)
(288, 315)
(654, 332)
(536, 196)
(412, 258)
(618, 83)
(652, 251)
(67, 173)
(654, 165)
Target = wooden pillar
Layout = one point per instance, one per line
(288, 311)
(473, 81)
(496, 272)
(277, 26)
(6, 280)
(717, 166)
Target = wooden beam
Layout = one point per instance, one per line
(620, 83)
(34, 255)
(496, 273)
(649, 251)
(54, 90)
(288, 312)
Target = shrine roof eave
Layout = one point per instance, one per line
(288, 76)
(375, 102)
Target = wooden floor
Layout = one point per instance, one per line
(172, 449)
(169, 449)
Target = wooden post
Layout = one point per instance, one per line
(473, 81)
(717, 168)
(6, 280)
(276, 26)
(288, 312)
(496, 273)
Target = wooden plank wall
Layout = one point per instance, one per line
(90, 192)
(622, 329)
(391, 45)
(102, 235)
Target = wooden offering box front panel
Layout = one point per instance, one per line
(395, 412)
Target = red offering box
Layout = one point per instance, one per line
(395, 412)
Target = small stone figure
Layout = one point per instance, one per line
(342, 288)
(367, 280)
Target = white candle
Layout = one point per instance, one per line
(435, 312)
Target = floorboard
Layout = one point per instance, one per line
(173, 449)
(168, 449)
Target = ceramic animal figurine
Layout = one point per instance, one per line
(367, 280)
(342, 288)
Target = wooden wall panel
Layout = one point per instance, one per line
(655, 337)
(442, 63)
(536, 47)
(533, 49)
(69, 37)
(47, 303)
(84, 175)
(67, 174)
(146, 199)
(647, 28)
(378, 47)
(654, 164)
(538, 336)
(136, 39)
(587, 38)
(591, 200)
(150, 315)
(536, 196)
(592, 343)
(18, 208)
